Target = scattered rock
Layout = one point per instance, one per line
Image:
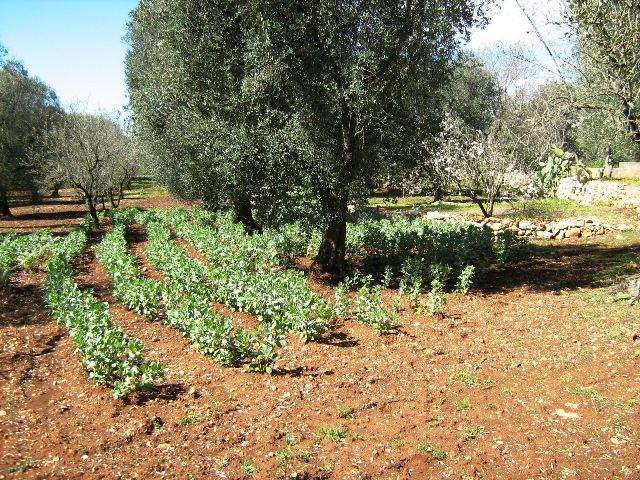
(561, 413)
(436, 215)
(573, 232)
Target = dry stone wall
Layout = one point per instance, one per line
(555, 230)
(614, 194)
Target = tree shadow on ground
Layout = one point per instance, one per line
(561, 267)
(17, 305)
(71, 214)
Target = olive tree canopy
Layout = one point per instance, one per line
(608, 50)
(90, 153)
(28, 107)
(238, 98)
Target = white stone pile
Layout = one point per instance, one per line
(615, 194)
(554, 230)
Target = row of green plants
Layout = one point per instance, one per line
(108, 355)
(187, 303)
(268, 250)
(417, 255)
(419, 248)
(22, 251)
(247, 280)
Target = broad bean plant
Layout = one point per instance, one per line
(108, 355)
(22, 252)
(187, 300)
(247, 276)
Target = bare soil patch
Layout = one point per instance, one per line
(534, 374)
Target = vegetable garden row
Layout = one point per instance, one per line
(248, 273)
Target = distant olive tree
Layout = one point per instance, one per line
(608, 53)
(28, 107)
(92, 154)
(597, 133)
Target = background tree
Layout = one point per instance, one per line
(474, 94)
(202, 120)
(478, 164)
(471, 101)
(340, 90)
(608, 52)
(28, 108)
(595, 131)
(91, 154)
(489, 136)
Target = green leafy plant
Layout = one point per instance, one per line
(190, 419)
(260, 346)
(462, 405)
(468, 378)
(23, 466)
(248, 468)
(108, 355)
(335, 433)
(474, 432)
(367, 306)
(346, 412)
(465, 279)
(437, 454)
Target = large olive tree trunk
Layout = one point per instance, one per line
(244, 213)
(331, 256)
(4, 204)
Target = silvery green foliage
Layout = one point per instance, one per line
(91, 154)
(234, 99)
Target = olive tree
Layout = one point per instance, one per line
(608, 52)
(205, 128)
(90, 153)
(28, 108)
(320, 94)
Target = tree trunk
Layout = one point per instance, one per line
(480, 203)
(332, 252)
(608, 163)
(438, 192)
(36, 196)
(331, 256)
(244, 213)
(93, 211)
(4, 204)
(632, 121)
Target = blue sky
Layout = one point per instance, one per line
(77, 47)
